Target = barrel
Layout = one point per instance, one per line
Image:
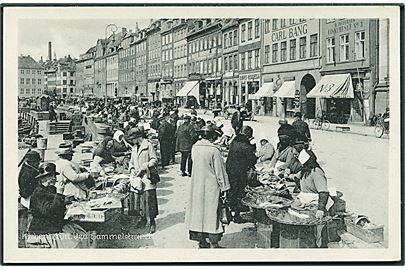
(42, 143)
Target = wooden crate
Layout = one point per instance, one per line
(374, 235)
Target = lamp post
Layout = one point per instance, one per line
(114, 29)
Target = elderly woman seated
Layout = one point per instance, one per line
(266, 151)
(48, 229)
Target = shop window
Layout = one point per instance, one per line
(360, 45)
(267, 54)
(330, 47)
(250, 26)
(303, 47)
(293, 49)
(257, 28)
(313, 51)
(242, 36)
(344, 47)
(274, 57)
(283, 51)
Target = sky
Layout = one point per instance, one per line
(72, 37)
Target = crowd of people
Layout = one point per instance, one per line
(200, 143)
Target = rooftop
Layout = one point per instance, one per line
(28, 62)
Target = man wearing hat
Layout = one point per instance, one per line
(71, 181)
(26, 178)
(301, 126)
(166, 138)
(185, 138)
(237, 120)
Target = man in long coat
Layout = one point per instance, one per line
(166, 136)
(185, 137)
(237, 120)
(209, 179)
(26, 178)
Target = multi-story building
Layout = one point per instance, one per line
(85, 73)
(100, 69)
(30, 77)
(154, 45)
(60, 77)
(166, 83)
(380, 98)
(230, 59)
(179, 54)
(205, 59)
(141, 66)
(112, 62)
(291, 66)
(251, 33)
(126, 66)
(349, 73)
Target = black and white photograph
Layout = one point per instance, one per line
(260, 131)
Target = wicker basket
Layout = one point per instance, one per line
(374, 235)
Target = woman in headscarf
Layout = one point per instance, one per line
(209, 181)
(102, 155)
(266, 151)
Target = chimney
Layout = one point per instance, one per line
(50, 51)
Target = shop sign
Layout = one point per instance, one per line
(249, 77)
(297, 99)
(288, 33)
(345, 26)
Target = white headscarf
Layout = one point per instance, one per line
(117, 135)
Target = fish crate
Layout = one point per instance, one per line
(372, 235)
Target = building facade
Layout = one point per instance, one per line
(85, 73)
(141, 66)
(154, 43)
(126, 66)
(179, 54)
(291, 58)
(112, 62)
(381, 91)
(230, 59)
(204, 40)
(100, 69)
(351, 48)
(166, 83)
(30, 77)
(250, 44)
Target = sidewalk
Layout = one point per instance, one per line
(355, 128)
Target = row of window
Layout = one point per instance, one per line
(344, 47)
(280, 23)
(180, 51)
(247, 62)
(127, 64)
(180, 71)
(154, 70)
(167, 71)
(112, 60)
(180, 34)
(141, 60)
(30, 91)
(206, 66)
(167, 55)
(279, 50)
(231, 39)
(231, 62)
(30, 81)
(154, 54)
(205, 43)
(130, 76)
(249, 26)
(28, 71)
(167, 39)
(112, 73)
(127, 52)
(140, 47)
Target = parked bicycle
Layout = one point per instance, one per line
(382, 127)
(321, 123)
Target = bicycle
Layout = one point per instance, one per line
(381, 128)
(321, 123)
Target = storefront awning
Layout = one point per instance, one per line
(195, 92)
(287, 90)
(333, 86)
(183, 92)
(265, 91)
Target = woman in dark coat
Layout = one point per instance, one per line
(241, 158)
